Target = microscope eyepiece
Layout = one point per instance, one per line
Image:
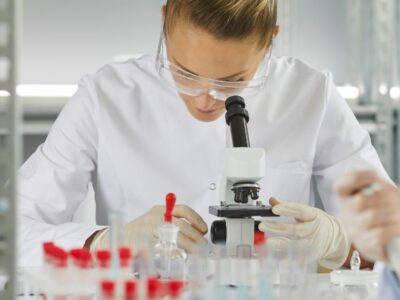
(235, 107)
(234, 100)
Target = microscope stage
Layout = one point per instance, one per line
(241, 211)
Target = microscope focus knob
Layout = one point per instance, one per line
(218, 232)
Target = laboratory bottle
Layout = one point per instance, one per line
(169, 260)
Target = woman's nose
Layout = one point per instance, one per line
(204, 102)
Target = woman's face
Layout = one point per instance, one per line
(200, 53)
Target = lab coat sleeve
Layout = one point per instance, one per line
(389, 285)
(53, 182)
(342, 146)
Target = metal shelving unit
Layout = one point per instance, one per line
(285, 9)
(378, 120)
(9, 143)
(382, 80)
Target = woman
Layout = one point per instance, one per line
(140, 129)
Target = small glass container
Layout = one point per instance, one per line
(169, 259)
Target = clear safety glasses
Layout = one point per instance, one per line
(193, 85)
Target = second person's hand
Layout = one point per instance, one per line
(370, 213)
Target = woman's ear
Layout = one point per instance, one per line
(163, 9)
(277, 30)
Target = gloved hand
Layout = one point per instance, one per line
(371, 212)
(192, 229)
(321, 233)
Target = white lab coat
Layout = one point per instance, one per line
(129, 133)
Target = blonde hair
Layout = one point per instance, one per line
(226, 19)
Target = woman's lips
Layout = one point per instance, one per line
(208, 112)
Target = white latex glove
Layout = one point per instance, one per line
(370, 212)
(321, 233)
(192, 229)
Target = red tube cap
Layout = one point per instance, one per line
(103, 258)
(130, 287)
(153, 287)
(259, 238)
(125, 255)
(175, 287)
(108, 287)
(82, 258)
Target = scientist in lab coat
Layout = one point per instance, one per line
(140, 129)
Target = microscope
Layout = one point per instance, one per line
(239, 194)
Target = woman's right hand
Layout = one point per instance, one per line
(192, 229)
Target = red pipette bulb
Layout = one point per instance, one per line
(170, 200)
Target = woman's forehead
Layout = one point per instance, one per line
(201, 53)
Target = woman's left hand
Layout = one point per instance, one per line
(322, 233)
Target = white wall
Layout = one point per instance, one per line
(65, 39)
(319, 34)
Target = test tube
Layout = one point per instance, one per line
(198, 272)
(83, 273)
(131, 288)
(266, 266)
(48, 249)
(175, 288)
(222, 266)
(117, 239)
(107, 290)
(103, 260)
(154, 288)
(125, 260)
(58, 282)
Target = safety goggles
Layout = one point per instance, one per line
(193, 85)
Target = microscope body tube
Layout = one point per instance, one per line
(237, 118)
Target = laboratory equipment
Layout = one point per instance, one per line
(244, 167)
(214, 274)
(362, 284)
(103, 263)
(125, 262)
(82, 273)
(131, 290)
(117, 238)
(169, 260)
(107, 291)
